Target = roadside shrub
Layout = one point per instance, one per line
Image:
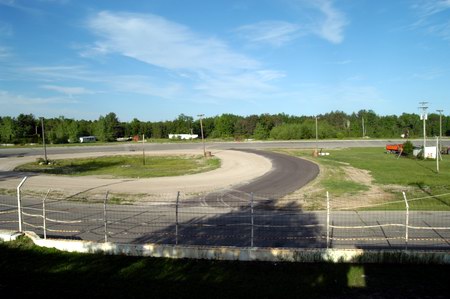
(408, 148)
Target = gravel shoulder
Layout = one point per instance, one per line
(237, 167)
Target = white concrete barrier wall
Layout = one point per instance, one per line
(238, 253)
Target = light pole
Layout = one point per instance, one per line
(440, 125)
(363, 128)
(201, 129)
(143, 149)
(317, 136)
(43, 141)
(424, 117)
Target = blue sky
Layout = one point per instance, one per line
(154, 60)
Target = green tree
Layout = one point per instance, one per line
(107, 127)
(26, 128)
(8, 130)
(224, 125)
(260, 132)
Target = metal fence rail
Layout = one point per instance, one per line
(236, 219)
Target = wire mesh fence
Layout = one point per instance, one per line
(232, 218)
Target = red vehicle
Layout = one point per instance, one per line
(394, 148)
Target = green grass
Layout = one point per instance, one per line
(387, 169)
(27, 270)
(418, 178)
(342, 186)
(126, 166)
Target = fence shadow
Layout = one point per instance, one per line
(229, 220)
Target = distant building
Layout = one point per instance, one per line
(85, 139)
(183, 136)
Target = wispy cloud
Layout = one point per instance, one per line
(200, 61)
(428, 8)
(57, 73)
(19, 6)
(5, 52)
(8, 98)
(430, 17)
(246, 86)
(160, 42)
(274, 33)
(323, 20)
(333, 21)
(67, 90)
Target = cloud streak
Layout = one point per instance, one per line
(333, 23)
(207, 66)
(7, 98)
(429, 14)
(160, 42)
(274, 33)
(70, 91)
(329, 24)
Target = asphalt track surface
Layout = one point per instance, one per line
(287, 175)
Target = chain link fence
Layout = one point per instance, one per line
(232, 218)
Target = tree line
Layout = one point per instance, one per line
(26, 128)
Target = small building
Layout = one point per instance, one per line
(183, 136)
(84, 139)
(430, 152)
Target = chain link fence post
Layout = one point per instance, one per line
(19, 203)
(176, 217)
(105, 221)
(328, 220)
(44, 216)
(252, 220)
(407, 221)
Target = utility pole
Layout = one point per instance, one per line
(203, 139)
(317, 136)
(43, 141)
(424, 117)
(440, 127)
(143, 149)
(363, 128)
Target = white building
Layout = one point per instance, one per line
(85, 139)
(183, 136)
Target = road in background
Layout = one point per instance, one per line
(134, 146)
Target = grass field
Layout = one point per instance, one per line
(388, 173)
(126, 166)
(27, 270)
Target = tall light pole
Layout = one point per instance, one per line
(43, 140)
(363, 128)
(424, 117)
(317, 136)
(201, 129)
(143, 149)
(440, 124)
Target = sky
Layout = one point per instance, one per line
(154, 60)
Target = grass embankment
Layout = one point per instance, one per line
(386, 172)
(126, 166)
(27, 270)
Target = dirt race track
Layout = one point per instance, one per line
(237, 168)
